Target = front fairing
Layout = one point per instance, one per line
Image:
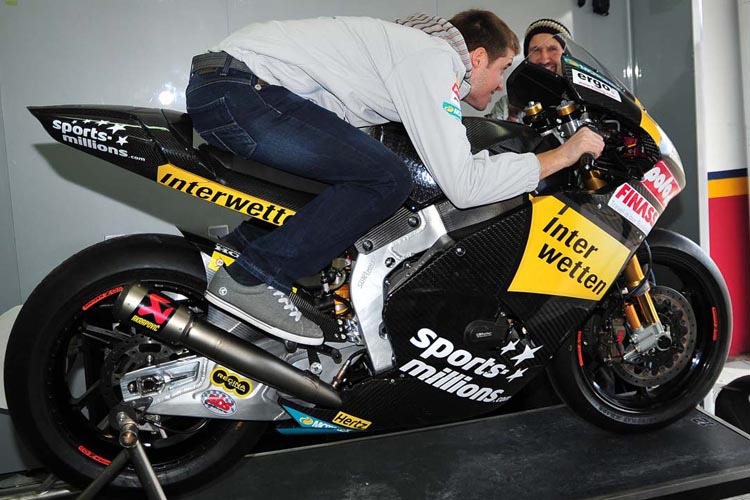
(585, 81)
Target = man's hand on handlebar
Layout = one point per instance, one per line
(583, 141)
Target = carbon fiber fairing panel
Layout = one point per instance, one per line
(425, 190)
(440, 375)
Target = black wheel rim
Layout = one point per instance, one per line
(611, 389)
(82, 375)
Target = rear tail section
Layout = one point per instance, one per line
(138, 139)
(158, 144)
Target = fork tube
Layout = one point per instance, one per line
(644, 304)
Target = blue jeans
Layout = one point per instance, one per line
(368, 182)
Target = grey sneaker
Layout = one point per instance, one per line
(263, 306)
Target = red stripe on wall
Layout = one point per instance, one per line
(730, 249)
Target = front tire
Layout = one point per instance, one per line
(692, 300)
(66, 355)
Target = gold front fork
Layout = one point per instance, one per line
(641, 312)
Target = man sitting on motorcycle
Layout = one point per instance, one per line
(293, 94)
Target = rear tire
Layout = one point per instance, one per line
(668, 384)
(66, 354)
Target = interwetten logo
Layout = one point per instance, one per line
(567, 254)
(200, 187)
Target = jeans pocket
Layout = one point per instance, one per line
(215, 124)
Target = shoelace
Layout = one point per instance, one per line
(284, 299)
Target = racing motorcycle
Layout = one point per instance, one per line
(435, 315)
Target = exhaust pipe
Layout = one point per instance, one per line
(162, 319)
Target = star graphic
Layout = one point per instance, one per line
(115, 127)
(74, 122)
(102, 122)
(528, 353)
(86, 121)
(122, 141)
(510, 347)
(518, 374)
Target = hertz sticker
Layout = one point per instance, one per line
(567, 254)
(205, 189)
(351, 421)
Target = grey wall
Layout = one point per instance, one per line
(10, 293)
(665, 84)
(606, 37)
(130, 52)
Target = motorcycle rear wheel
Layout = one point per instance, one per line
(66, 355)
(647, 395)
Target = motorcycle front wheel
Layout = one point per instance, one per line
(691, 299)
(66, 355)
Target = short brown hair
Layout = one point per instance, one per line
(482, 28)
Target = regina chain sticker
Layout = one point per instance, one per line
(567, 254)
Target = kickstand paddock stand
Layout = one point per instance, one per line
(124, 417)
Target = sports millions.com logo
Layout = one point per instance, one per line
(661, 183)
(102, 136)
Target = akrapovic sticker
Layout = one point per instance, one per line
(595, 84)
(153, 312)
(634, 207)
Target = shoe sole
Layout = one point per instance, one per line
(232, 309)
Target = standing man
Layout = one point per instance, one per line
(540, 46)
(292, 94)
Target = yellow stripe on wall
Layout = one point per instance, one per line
(733, 186)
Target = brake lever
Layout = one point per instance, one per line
(587, 162)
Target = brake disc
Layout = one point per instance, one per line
(662, 364)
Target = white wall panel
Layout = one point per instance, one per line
(743, 7)
(91, 52)
(723, 122)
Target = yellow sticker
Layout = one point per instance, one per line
(218, 260)
(648, 124)
(567, 254)
(346, 420)
(231, 382)
(213, 192)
